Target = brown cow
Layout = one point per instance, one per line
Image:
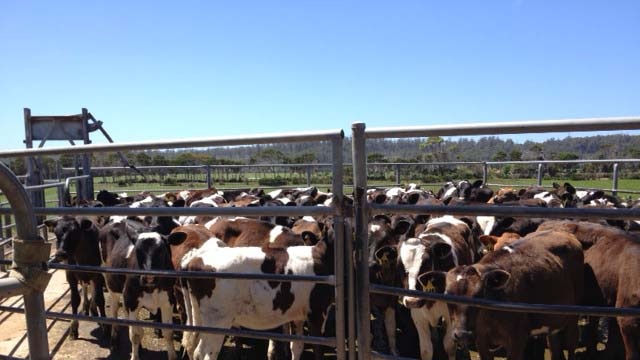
(612, 256)
(545, 267)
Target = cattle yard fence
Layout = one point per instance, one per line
(30, 271)
(31, 262)
(363, 210)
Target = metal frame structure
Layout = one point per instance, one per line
(21, 208)
(351, 281)
(364, 211)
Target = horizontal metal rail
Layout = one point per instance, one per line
(501, 128)
(292, 137)
(509, 306)
(213, 166)
(327, 341)
(186, 211)
(330, 280)
(10, 286)
(509, 211)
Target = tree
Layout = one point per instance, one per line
(142, 159)
(376, 158)
(515, 155)
(500, 156)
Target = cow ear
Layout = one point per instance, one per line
(441, 250)
(556, 185)
(86, 224)
(477, 184)
(380, 199)
(51, 224)
(433, 281)
(489, 241)
(386, 254)
(179, 203)
(176, 238)
(521, 192)
(402, 227)
(569, 188)
(413, 198)
(309, 238)
(496, 279)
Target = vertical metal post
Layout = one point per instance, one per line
(86, 191)
(60, 189)
(209, 180)
(339, 246)
(26, 230)
(7, 231)
(540, 169)
(485, 172)
(1, 246)
(308, 168)
(351, 292)
(614, 188)
(397, 174)
(34, 177)
(359, 157)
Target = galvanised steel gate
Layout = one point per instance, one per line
(351, 280)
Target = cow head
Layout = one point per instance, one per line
(153, 253)
(384, 235)
(70, 233)
(472, 281)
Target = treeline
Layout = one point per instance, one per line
(420, 150)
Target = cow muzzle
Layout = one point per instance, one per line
(462, 337)
(59, 256)
(148, 280)
(411, 302)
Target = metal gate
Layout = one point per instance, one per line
(351, 280)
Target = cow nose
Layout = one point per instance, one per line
(462, 337)
(60, 255)
(147, 279)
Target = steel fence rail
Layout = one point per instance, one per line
(291, 137)
(327, 341)
(329, 279)
(504, 128)
(509, 306)
(179, 211)
(510, 211)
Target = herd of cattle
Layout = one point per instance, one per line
(527, 260)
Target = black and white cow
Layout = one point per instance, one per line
(225, 303)
(446, 242)
(77, 244)
(128, 244)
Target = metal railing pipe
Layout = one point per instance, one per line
(359, 154)
(326, 341)
(614, 187)
(540, 174)
(339, 246)
(509, 306)
(178, 211)
(514, 127)
(509, 211)
(10, 286)
(291, 137)
(26, 230)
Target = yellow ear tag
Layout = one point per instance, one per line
(384, 260)
(429, 287)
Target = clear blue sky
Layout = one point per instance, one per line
(155, 70)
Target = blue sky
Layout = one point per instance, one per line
(155, 70)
